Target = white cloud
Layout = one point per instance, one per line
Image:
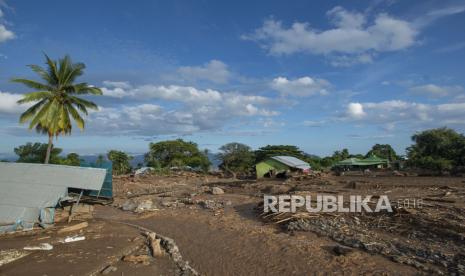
(355, 111)
(117, 89)
(117, 84)
(8, 103)
(190, 109)
(350, 35)
(215, 71)
(451, 47)
(390, 113)
(350, 60)
(433, 90)
(191, 96)
(436, 14)
(5, 34)
(301, 87)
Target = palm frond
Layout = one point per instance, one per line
(83, 88)
(33, 84)
(41, 129)
(85, 103)
(77, 69)
(39, 117)
(52, 70)
(64, 123)
(41, 72)
(63, 68)
(76, 116)
(35, 96)
(31, 111)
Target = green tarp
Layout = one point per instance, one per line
(265, 166)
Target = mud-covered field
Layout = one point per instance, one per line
(220, 228)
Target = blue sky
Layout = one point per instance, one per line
(320, 75)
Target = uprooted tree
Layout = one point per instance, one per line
(176, 153)
(437, 149)
(236, 158)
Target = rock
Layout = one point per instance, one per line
(217, 191)
(166, 203)
(129, 205)
(210, 204)
(109, 269)
(342, 250)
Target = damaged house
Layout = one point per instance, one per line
(30, 192)
(281, 166)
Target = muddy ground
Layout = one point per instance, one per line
(228, 233)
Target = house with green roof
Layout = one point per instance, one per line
(370, 162)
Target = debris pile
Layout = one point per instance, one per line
(431, 238)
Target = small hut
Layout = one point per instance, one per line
(280, 166)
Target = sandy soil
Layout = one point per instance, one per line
(226, 234)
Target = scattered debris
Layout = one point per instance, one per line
(11, 255)
(154, 244)
(73, 239)
(143, 259)
(109, 269)
(129, 205)
(77, 211)
(42, 246)
(143, 171)
(75, 227)
(144, 205)
(210, 204)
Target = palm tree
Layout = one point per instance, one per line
(56, 100)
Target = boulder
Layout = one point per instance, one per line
(217, 191)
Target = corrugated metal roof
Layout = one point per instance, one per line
(25, 189)
(292, 162)
(52, 175)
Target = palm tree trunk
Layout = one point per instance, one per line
(49, 149)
